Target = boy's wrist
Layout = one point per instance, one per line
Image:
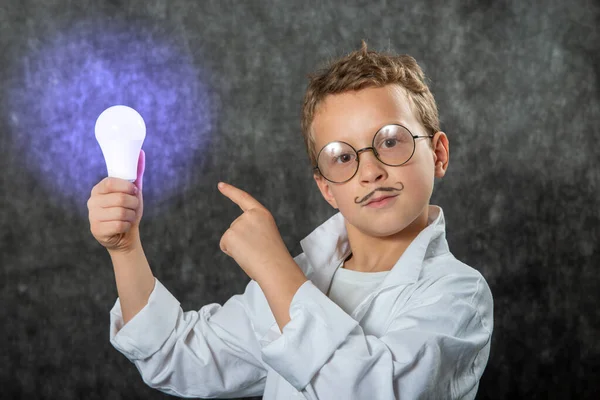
(280, 286)
(118, 253)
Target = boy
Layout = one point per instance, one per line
(376, 307)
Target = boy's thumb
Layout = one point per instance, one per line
(139, 181)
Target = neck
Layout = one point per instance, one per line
(376, 254)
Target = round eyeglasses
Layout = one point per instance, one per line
(393, 145)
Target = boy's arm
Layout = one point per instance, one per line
(115, 208)
(134, 279)
(435, 347)
(212, 352)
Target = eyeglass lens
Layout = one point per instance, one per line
(393, 144)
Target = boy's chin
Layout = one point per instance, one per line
(385, 232)
(381, 229)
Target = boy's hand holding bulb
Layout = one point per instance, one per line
(115, 209)
(115, 205)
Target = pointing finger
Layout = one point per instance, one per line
(239, 197)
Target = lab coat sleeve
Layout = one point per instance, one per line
(208, 353)
(436, 347)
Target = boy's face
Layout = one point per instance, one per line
(354, 118)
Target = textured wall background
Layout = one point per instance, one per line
(518, 92)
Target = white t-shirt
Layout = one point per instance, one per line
(349, 288)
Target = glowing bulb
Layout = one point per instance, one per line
(120, 132)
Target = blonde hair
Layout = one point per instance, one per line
(362, 69)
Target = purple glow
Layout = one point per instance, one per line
(60, 89)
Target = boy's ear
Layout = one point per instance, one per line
(441, 154)
(323, 185)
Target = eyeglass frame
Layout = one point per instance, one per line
(372, 148)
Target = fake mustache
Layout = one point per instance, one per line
(381, 189)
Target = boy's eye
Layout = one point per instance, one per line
(387, 143)
(344, 158)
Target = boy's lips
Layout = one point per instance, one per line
(380, 198)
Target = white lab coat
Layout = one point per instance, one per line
(424, 333)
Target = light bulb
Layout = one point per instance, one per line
(120, 132)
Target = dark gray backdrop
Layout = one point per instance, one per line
(518, 92)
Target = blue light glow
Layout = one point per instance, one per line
(58, 91)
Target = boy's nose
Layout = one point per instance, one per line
(370, 169)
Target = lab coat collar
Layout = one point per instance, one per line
(328, 245)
